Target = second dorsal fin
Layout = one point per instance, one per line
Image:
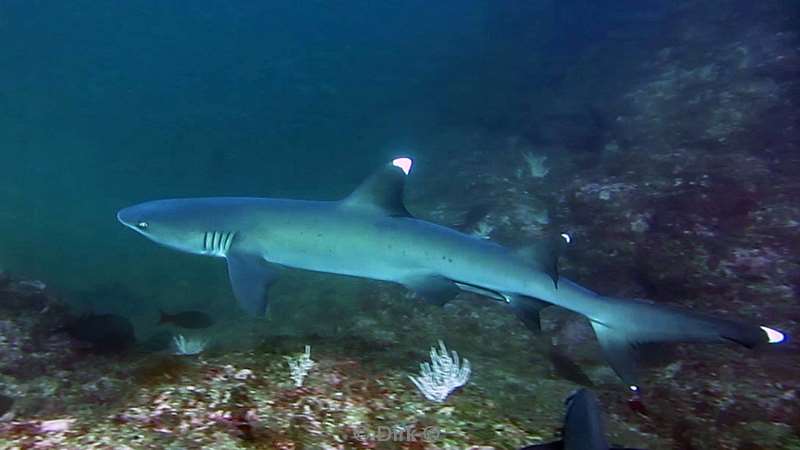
(382, 192)
(545, 254)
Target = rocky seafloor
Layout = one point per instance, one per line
(358, 394)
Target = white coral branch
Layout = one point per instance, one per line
(536, 165)
(300, 365)
(483, 230)
(444, 374)
(191, 346)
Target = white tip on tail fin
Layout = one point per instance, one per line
(629, 323)
(774, 336)
(404, 164)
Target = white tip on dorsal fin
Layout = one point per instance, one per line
(404, 164)
(382, 192)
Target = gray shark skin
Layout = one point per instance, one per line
(583, 426)
(371, 234)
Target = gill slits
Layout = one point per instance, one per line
(217, 243)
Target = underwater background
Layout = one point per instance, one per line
(661, 135)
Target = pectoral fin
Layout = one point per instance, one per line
(433, 289)
(250, 278)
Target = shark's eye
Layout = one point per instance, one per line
(142, 225)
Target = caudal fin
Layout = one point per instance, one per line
(627, 323)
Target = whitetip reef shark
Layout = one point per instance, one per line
(371, 234)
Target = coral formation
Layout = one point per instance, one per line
(189, 347)
(300, 365)
(443, 375)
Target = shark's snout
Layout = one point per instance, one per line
(120, 216)
(126, 216)
(133, 218)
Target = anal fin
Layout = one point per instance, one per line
(251, 277)
(620, 353)
(434, 289)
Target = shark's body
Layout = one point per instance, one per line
(371, 234)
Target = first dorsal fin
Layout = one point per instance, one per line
(382, 192)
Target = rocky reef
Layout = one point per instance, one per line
(357, 395)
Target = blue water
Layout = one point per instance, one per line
(105, 105)
(666, 127)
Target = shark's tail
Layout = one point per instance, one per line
(621, 325)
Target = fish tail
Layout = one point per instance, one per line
(164, 317)
(622, 324)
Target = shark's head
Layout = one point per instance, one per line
(172, 223)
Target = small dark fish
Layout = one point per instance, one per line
(187, 319)
(6, 403)
(105, 332)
